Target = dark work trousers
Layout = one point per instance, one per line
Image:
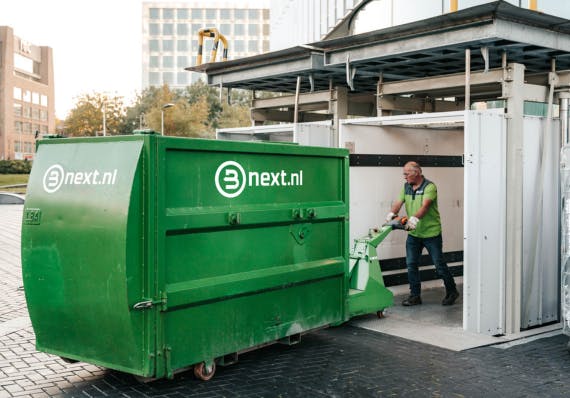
(433, 245)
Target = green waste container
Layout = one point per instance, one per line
(150, 254)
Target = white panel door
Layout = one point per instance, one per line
(484, 222)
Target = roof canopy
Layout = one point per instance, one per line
(431, 47)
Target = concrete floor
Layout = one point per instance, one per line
(437, 325)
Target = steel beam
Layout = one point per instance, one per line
(299, 66)
(289, 100)
(482, 30)
(514, 94)
(455, 81)
(273, 115)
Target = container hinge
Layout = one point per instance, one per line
(143, 305)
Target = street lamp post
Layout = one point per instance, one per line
(164, 107)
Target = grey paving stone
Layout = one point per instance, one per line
(336, 362)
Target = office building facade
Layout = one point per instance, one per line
(316, 20)
(27, 106)
(311, 19)
(170, 36)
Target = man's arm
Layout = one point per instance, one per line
(424, 209)
(396, 206)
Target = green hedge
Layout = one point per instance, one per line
(15, 167)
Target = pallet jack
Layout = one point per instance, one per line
(367, 292)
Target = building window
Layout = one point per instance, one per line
(265, 45)
(43, 100)
(182, 29)
(253, 30)
(239, 29)
(265, 29)
(154, 13)
(167, 29)
(167, 13)
(35, 114)
(195, 45)
(239, 46)
(168, 45)
(253, 14)
(153, 62)
(168, 61)
(23, 63)
(28, 147)
(168, 78)
(36, 98)
(182, 78)
(265, 15)
(154, 45)
(27, 128)
(211, 14)
(154, 78)
(252, 46)
(17, 93)
(226, 29)
(43, 128)
(43, 115)
(225, 13)
(27, 112)
(154, 29)
(197, 13)
(18, 110)
(17, 127)
(182, 61)
(182, 45)
(27, 96)
(239, 14)
(182, 13)
(195, 28)
(16, 146)
(35, 127)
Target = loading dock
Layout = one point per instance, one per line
(489, 85)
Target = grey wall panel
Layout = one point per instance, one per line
(540, 275)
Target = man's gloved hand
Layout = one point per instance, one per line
(412, 223)
(390, 216)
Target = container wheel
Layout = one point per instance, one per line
(68, 360)
(380, 314)
(204, 372)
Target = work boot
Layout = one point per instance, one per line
(450, 298)
(412, 300)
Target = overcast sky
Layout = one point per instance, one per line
(96, 43)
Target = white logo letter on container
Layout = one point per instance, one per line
(231, 179)
(53, 178)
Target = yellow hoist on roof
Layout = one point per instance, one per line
(211, 32)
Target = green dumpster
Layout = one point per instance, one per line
(151, 254)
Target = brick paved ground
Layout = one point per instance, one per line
(337, 362)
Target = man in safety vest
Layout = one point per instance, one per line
(424, 226)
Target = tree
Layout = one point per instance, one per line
(197, 112)
(234, 116)
(136, 114)
(86, 119)
(184, 119)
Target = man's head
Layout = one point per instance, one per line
(412, 173)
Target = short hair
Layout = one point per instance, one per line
(414, 165)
